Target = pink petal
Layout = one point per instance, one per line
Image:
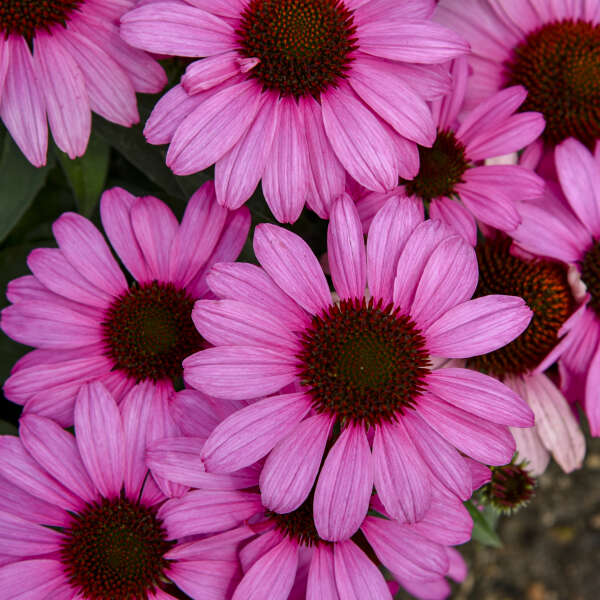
(100, 438)
(290, 262)
(271, 575)
(33, 579)
(446, 110)
(344, 486)
(240, 372)
(478, 326)
(250, 433)
(321, 575)
(531, 449)
(356, 576)
(259, 546)
(210, 579)
(225, 544)
(22, 538)
(401, 478)
(225, 8)
(286, 175)
(456, 216)
(480, 395)
(346, 250)
(483, 440)
(204, 74)
(290, 470)
(359, 139)
(592, 401)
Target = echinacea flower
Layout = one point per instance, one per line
(452, 180)
(550, 48)
(362, 367)
(546, 289)
(296, 92)
(566, 227)
(59, 61)
(82, 518)
(88, 323)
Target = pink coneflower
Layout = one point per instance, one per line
(88, 323)
(361, 366)
(545, 287)
(567, 228)
(82, 518)
(62, 59)
(296, 92)
(550, 48)
(451, 180)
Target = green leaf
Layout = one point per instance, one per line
(20, 181)
(483, 530)
(87, 175)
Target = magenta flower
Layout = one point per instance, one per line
(567, 228)
(296, 93)
(361, 366)
(84, 319)
(548, 47)
(62, 59)
(452, 181)
(81, 518)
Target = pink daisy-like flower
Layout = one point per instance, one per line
(296, 92)
(62, 59)
(566, 226)
(82, 519)
(546, 289)
(550, 48)
(451, 169)
(88, 323)
(362, 367)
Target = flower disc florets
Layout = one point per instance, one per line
(545, 288)
(25, 17)
(510, 488)
(363, 362)
(115, 549)
(441, 167)
(559, 65)
(304, 46)
(148, 331)
(298, 525)
(590, 274)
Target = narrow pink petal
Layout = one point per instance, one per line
(531, 449)
(483, 440)
(592, 400)
(65, 95)
(480, 473)
(290, 470)
(213, 128)
(204, 74)
(404, 551)
(197, 414)
(580, 180)
(286, 175)
(410, 117)
(446, 464)
(401, 477)
(84, 247)
(204, 511)
(225, 8)
(344, 486)
(249, 283)
(423, 240)
(480, 395)
(497, 210)
(388, 234)
(4, 62)
(394, 9)
(225, 544)
(22, 106)
(456, 216)
(449, 278)
(239, 170)
(155, 227)
(274, 572)
(45, 441)
(240, 372)
(259, 546)
(328, 176)
(359, 139)
(232, 323)
(210, 579)
(356, 576)
(100, 438)
(21, 538)
(514, 181)
(176, 29)
(321, 575)
(33, 579)
(435, 589)
(446, 110)
(346, 250)
(250, 433)
(290, 262)
(415, 41)
(458, 567)
(478, 326)
(555, 423)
